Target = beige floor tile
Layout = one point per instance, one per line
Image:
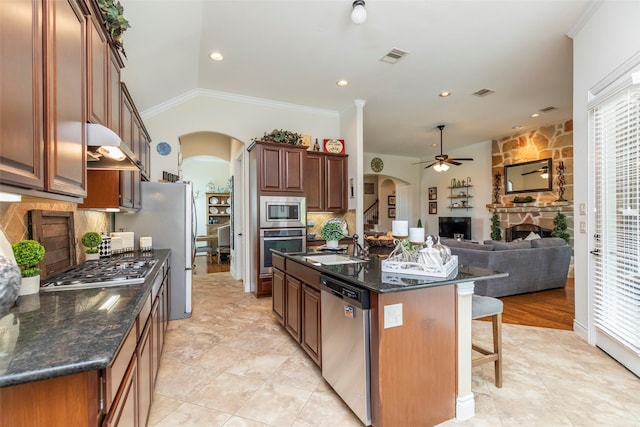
(236, 421)
(259, 367)
(326, 409)
(161, 407)
(189, 415)
(298, 371)
(275, 404)
(227, 392)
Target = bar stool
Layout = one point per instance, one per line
(482, 306)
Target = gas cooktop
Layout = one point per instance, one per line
(101, 273)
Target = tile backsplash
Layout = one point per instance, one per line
(15, 224)
(320, 218)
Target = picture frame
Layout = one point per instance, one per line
(335, 146)
(433, 193)
(392, 213)
(369, 188)
(433, 208)
(306, 141)
(391, 200)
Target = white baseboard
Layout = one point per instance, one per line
(465, 407)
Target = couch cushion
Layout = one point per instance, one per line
(453, 243)
(507, 246)
(532, 236)
(548, 242)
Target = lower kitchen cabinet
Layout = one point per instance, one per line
(125, 408)
(145, 373)
(296, 304)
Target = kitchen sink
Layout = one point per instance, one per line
(333, 259)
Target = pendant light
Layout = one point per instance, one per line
(358, 14)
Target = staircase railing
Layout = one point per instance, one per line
(371, 215)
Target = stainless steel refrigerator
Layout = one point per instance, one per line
(168, 216)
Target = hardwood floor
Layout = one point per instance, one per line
(554, 308)
(205, 266)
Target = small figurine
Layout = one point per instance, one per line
(316, 146)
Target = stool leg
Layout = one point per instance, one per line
(497, 347)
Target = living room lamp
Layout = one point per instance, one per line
(441, 167)
(358, 14)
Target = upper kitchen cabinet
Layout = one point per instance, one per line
(21, 95)
(98, 63)
(280, 167)
(326, 182)
(65, 86)
(43, 95)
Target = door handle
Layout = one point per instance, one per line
(595, 252)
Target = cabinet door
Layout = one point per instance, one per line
(311, 332)
(145, 374)
(293, 313)
(271, 168)
(155, 343)
(21, 94)
(66, 95)
(126, 116)
(97, 72)
(278, 290)
(314, 182)
(293, 168)
(336, 183)
(115, 93)
(126, 188)
(136, 190)
(124, 411)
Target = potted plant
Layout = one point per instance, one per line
(91, 240)
(560, 227)
(496, 232)
(282, 137)
(28, 254)
(331, 232)
(114, 22)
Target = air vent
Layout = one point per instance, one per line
(394, 56)
(483, 92)
(547, 109)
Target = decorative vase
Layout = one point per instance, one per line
(332, 244)
(30, 285)
(9, 284)
(91, 257)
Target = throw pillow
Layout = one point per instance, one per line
(532, 236)
(506, 246)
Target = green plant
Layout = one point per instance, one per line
(113, 15)
(282, 136)
(28, 254)
(560, 227)
(91, 240)
(331, 231)
(525, 199)
(419, 223)
(496, 232)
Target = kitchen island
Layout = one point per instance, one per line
(84, 356)
(420, 333)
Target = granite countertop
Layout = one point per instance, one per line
(59, 333)
(369, 274)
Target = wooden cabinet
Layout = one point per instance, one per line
(43, 96)
(98, 64)
(21, 94)
(65, 112)
(145, 373)
(293, 306)
(218, 211)
(114, 98)
(125, 410)
(326, 182)
(280, 167)
(296, 304)
(111, 189)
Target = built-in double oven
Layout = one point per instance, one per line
(283, 221)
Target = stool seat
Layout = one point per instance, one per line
(482, 306)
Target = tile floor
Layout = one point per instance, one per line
(231, 364)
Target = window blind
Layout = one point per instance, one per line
(615, 131)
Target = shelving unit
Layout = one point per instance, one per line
(218, 211)
(459, 197)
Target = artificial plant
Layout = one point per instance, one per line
(115, 23)
(331, 231)
(496, 232)
(282, 137)
(28, 253)
(560, 227)
(91, 240)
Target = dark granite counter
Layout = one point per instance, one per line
(59, 333)
(369, 274)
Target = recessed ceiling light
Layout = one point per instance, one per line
(444, 94)
(216, 56)
(534, 115)
(434, 145)
(516, 127)
(342, 83)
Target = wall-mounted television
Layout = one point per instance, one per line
(450, 225)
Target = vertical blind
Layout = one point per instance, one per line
(615, 131)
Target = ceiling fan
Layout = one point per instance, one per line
(441, 160)
(543, 171)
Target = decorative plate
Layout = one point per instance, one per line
(163, 148)
(377, 164)
(335, 146)
(228, 210)
(213, 201)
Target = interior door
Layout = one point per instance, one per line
(615, 267)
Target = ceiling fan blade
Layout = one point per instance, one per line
(469, 159)
(419, 163)
(530, 172)
(453, 162)
(428, 166)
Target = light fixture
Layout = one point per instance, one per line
(444, 94)
(216, 56)
(10, 197)
(342, 83)
(358, 14)
(441, 167)
(534, 115)
(544, 175)
(112, 152)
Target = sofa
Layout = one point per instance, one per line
(533, 265)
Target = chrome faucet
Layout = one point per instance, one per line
(358, 250)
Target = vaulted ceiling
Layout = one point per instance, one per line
(295, 51)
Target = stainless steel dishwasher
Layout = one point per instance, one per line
(346, 319)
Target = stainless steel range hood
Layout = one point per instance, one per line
(106, 151)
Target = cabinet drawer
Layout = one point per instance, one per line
(116, 371)
(304, 273)
(141, 320)
(278, 262)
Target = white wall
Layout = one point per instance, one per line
(480, 173)
(607, 39)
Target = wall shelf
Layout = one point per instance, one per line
(459, 196)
